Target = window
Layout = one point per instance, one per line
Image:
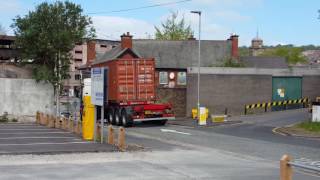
(79, 60)
(182, 78)
(77, 77)
(163, 77)
(103, 46)
(78, 52)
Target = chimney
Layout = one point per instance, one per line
(126, 41)
(91, 51)
(234, 46)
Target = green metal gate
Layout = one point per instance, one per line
(286, 88)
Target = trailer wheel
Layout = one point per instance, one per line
(111, 116)
(117, 117)
(162, 122)
(126, 119)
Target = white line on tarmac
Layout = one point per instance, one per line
(38, 133)
(70, 137)
(45, 143)
(174, 131)
(29, 129)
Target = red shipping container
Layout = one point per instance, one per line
(130, 80)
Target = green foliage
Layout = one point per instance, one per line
(4, 118)
(230, 62)
(292, 54)
(310, 126)
(244, 51)
(48, 34)
(173, 29)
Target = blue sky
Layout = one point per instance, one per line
(279, 21)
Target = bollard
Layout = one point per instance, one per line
(57, 123)
(41, 118)
(64, 123)
(78, 128)
(51, 122)
(285, 168)
(38, 117)
(46, 123)
(121, 139)
(98, 132)
(110, 135)
(70, 125)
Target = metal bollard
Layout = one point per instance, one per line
(110, 135)
(121, 139)
(285, 168)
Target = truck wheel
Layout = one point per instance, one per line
(162, 122)
(126, 119)
(117, 117)
(110, 116)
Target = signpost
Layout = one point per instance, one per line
(98, 97)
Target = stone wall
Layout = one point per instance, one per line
(21, 98)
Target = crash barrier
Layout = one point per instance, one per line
(75, 127)
(266, 105)
(287, 165)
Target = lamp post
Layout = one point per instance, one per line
(199, 61)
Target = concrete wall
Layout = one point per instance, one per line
(218, 92)
(311, 87)
(232, 88)
(23, 97)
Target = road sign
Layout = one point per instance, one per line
(97, 86)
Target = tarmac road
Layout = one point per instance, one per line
(179, 152)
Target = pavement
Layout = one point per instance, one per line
(17, 138)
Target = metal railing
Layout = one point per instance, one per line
(286, 165)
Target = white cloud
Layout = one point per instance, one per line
(112, 27)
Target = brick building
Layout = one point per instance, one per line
(172, 59)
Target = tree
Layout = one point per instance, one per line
(292, 54)
(48, 34)
(173, 29)
(2, 30)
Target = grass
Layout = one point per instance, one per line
(310, 126)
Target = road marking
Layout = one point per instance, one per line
(38, 133)
(174, 131)
(29, 129)
(71, 137)
(45, 143)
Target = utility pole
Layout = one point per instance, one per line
(199, 62)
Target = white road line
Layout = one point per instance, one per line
(46, 143)
(71, 137)
(38, 133)
(28, 129)
(174, 131)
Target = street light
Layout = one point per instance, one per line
(199, 61)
